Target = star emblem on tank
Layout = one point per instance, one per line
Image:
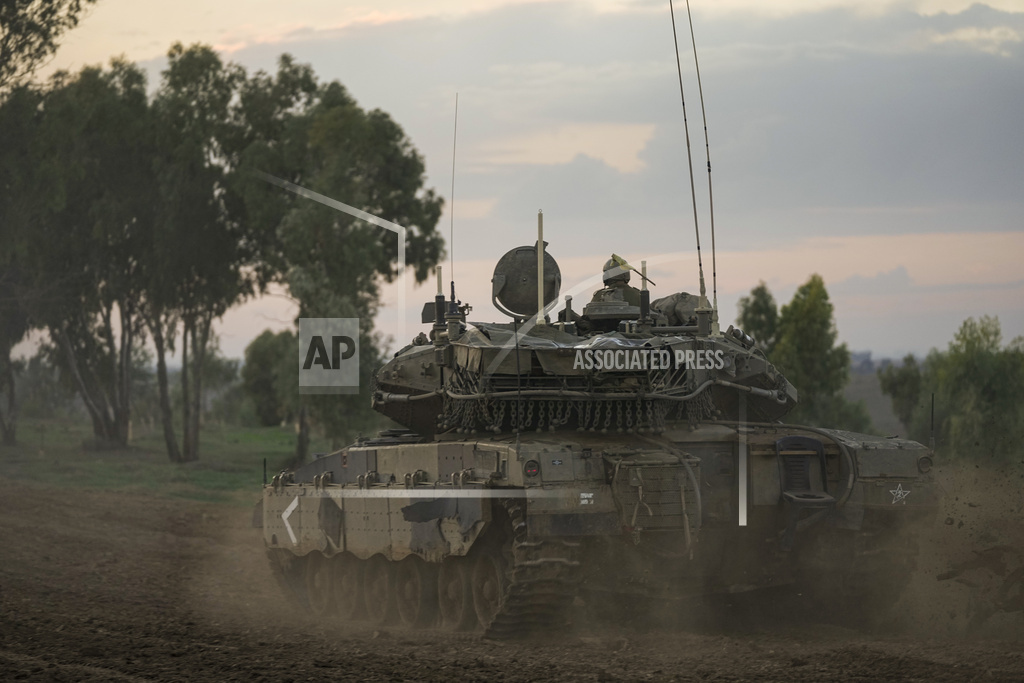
(898, 494)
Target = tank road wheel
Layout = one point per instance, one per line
(455, 595)
(347, 580)
(318, 584)
(379, 589)
(489, 585)
(416, 592)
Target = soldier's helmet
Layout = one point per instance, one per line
(613, 273)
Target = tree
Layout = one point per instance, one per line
(981, 386)
(144, 215)
(806, 346)
(976, 383)
(269, 376)
(14, 323)
(903, 384)
(759, 317)
(29, 30)
(333, 264)
(195, 286)
(209, 113)
(19, 119)
(803, 347)
(93, 216)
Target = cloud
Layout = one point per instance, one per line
(616, 144)
(245, 36)
(895, 280)
(990, 40)
(892, 293)
(822, 123)
(475, 209)
(867, 144)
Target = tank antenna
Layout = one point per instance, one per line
(451, 212)
(711, 196)
(931, 435)
(689, 154)
(540, 267)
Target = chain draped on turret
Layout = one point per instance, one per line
(472, 403)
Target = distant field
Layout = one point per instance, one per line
(229, 469)
(230, 465)
(866, 387)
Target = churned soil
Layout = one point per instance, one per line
(98, 586)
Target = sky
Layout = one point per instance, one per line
(877, 143)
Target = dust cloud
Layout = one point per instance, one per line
(97, 586)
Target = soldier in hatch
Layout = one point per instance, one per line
(616, 284)
(616, 301)
(675, 309)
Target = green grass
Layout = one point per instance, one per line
(229, 469)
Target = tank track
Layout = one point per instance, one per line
(540, 577)
(543, 577)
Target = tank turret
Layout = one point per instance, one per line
(609, 368)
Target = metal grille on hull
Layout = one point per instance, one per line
(651, 496)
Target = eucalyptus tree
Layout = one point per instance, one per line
(14, 323)
(226, 233)
(19, 119)
(197, 271)
(29, 30)
(209, 253)
(149, 215)
(333, 264)
(92, 219)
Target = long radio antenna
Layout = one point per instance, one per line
(451, 213)
(689, 154)
(707, 150)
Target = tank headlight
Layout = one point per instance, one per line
(924, 464)
(531, 468)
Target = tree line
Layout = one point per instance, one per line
(966, 397)
(128, 217)
(800, 340)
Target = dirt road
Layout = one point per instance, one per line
(119, 587)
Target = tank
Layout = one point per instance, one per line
(629, 453)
